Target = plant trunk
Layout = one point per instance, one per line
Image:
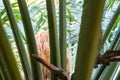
(89, 38)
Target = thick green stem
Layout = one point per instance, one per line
(19, 42)
(62, 32)
(54, 42)
(89, 38)
(36, 69)
(7, 59)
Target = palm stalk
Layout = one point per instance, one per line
(110, 25)
(4, 69)
(19, 42)
(90, 32)
(54, 43)
(108, 71)
(62, 32)
(1, 74)
(116, 39)
(7, 59)
(115, 73)
(118, 75)
(112, 46)
(36, 69)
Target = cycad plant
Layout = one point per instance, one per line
(90, 41)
